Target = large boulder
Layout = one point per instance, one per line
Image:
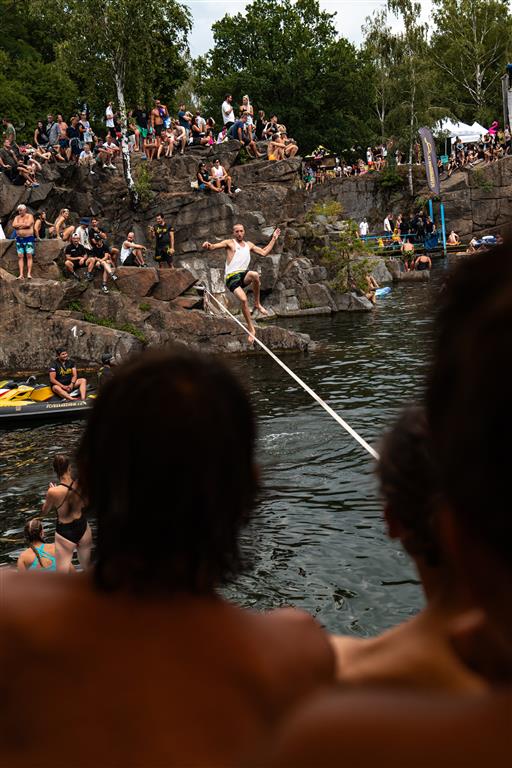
(172, 283)
(351, 302)
(136, 282)
(46, 295)
(46, 256)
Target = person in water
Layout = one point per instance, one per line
(72, 532)
(148, 646)
(64, 377)
(39, 555)
(237, 273)
(422, 263)
(417, 654)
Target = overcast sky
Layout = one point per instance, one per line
(350, 15)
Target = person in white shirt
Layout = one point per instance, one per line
(86, 158)
(388, 223)
(132, 253)
(221, 178)
(228, 113)
(363, 228)
(109, 118)
(83, 235)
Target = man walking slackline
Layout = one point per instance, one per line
(237, 274)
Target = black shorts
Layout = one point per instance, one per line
(129, 261)
(159, 129)
(236, 281)
(164, 254)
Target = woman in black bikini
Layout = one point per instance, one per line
(72, 531)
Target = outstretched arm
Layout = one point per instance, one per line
(265, 251)
(215, 246)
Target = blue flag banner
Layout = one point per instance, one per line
(430, 157)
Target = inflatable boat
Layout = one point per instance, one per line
(29, 404)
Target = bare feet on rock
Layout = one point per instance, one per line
(260, 308)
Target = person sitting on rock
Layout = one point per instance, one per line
(64, 377)
(372, 287)
(203, 179)
(150, 145)
(86, 159)
(164, 236)
(239, 131)
(132, 252)
(96, 233)
(221, 178)
(198, 135)
(23, 225)
(291, 147)
(113, 150)
(453, 238)
(276, 147)
(237, 274)
(83, 234)
(270, 128)
(100, 259)
(180, 136)
(42, 227)
(75, 256)
(63, 228)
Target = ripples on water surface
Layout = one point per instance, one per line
(319, 539)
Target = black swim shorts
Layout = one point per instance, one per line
(236, 281)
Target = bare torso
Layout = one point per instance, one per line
(24, 225)
(66, 502)
(183, 681)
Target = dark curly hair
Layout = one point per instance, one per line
(409, 482)
(468, 397)
(166, 462)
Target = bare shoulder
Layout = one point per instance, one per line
(299, 640)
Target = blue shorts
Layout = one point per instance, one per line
(25, 246)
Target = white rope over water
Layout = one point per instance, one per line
(302, 383)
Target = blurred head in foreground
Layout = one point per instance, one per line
(166, 463)
(470, 415)
(410, 487)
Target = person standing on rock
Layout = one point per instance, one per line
(228, 113)
(237, 274)
(164, 236)
(23, 224)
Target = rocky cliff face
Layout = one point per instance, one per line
(156, 306)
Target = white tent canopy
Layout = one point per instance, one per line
(468, 134)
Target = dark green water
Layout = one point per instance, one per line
(319, 540)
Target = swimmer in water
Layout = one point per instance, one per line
(39, 555)
(237, 274)
(72, 531)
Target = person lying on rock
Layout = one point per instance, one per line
(23, 225)
(75, 256)
(64, 377)
(237, 274)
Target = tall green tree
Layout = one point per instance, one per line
(31, 80)
(471, 45)
(381, 47)
(288, 58)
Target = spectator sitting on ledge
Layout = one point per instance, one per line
(203, 179)
(239, 131)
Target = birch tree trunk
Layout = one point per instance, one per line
(127, 164)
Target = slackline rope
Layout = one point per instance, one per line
(302, 383)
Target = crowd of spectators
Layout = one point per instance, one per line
(492, 146)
